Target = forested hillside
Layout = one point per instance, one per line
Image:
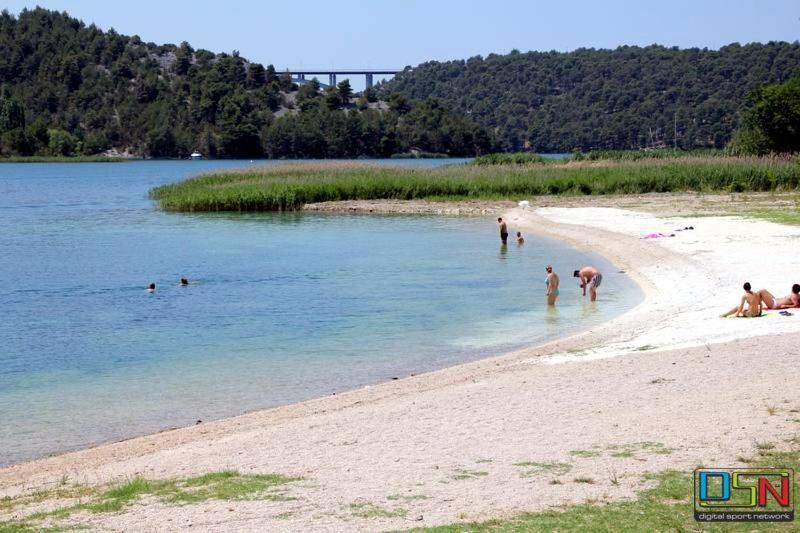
(71, 89)
(630, 97)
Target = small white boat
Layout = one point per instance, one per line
(196, 155)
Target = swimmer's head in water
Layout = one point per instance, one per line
(548, 268)
(796, 288)
(184, 281)
(576, 273)
(152, 286)
(747, 286)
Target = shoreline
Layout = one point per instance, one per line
(395, 413)
(406, 208)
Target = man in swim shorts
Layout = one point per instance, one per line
(589, 277)
(552, 285)
(503, 230)
(754, 300)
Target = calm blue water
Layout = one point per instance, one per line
(280, 307)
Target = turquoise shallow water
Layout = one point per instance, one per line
(281, 308)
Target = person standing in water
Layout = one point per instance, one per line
(503, 230)
(520, 239)
(552, 285)
(589, 277)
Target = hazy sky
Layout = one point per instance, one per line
(392, 34)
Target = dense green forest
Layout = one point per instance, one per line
(627, 98)
(71, 89)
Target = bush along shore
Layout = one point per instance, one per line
(290, 187)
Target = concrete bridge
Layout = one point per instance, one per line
(299, 76)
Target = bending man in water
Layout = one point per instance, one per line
(754, 301)
(552, 285)
(589, 277)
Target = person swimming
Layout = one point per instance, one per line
(520, 238)
(754, 301)
(151, 287)
(184, 282)
(552, 282)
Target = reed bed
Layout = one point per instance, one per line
(289, 187)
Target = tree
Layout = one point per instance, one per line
(271, 75)
(345, 91)
(183, 59)
(308, 94)
(399, 104)
(333, 98)
(256, 75)
(771, 122)
(61, 143)
(12, 113)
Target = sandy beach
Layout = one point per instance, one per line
(669, 382)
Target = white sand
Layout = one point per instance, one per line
(718, 256)
(456, 436)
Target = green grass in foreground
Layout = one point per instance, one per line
(665, 507)
(54, 159)
(289, 187)
(225, 485)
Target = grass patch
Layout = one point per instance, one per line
(463, 473)
(533, 468)
(764, 446)
(518, 158)
(587, 480)
(226, 485)
(667, 506)
(584, 453)
(630, 450)
(406, 498)
(370, 510)
(786, 215)
(289, 187)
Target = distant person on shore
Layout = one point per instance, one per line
(552, 281)
(151, 287)
(787, 302)
(589, 277)
(184, 282)
(520, 238)
(755, 303)
(503, 230)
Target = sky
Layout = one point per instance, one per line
(381, 34)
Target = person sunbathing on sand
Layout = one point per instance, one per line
(754, 301)
(787, 302)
